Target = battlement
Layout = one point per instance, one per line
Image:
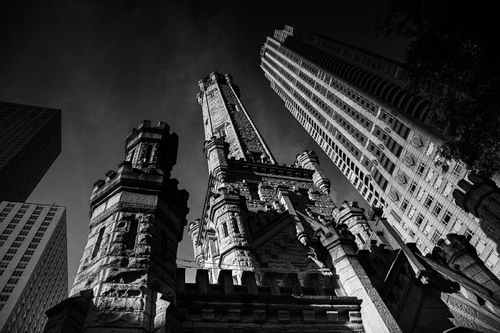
(224, 302)
(145, 125)
(250, 286)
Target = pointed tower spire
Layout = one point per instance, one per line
(225, 117)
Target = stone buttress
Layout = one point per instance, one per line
(127, 274)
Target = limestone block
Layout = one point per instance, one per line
(332, 316)
(308, 316)
(283, 316)
(355, 317)
(259, 315)
(208, 314)
(234, 315)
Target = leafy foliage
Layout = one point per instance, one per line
(453, 62)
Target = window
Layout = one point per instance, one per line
(438, 182)
(12, 281)
(131, 235)
(446, 218)
(419, 220)
(458, 169)
(447, 189)
(429, 175)
(236, 229)
(480, 246)
(412, 234)
(468, 234)
(437, 209)
(420, 194)
(224, 228)
(413, 186)
(436, 236)
(8, 289)
(492, 259)
(404, 205)
(489, 229)
(427, 228)
(412, 212)
(428, 201)
(97, 243)
(421, 169)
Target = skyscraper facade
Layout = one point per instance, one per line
(30, 141)
(353, 103)
(33, 264)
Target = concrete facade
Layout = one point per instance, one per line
(354, 105)
(33, 264)
(30, 141)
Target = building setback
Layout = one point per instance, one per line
(30, 141)
(33, 264)
(276, 254)
(353, 103)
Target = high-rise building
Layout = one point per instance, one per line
(276, 253)
(30, 141)
(33, 264)
(353, 103)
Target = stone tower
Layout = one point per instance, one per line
(127, 274)
(275, 223)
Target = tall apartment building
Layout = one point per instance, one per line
(33, 264)
(30, 141)
(353, 103)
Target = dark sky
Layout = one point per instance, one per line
(109, 64)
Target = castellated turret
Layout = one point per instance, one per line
(309, 160)
(127, 274)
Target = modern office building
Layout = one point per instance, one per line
(30, 141)
(353, 103)
(33, 264)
